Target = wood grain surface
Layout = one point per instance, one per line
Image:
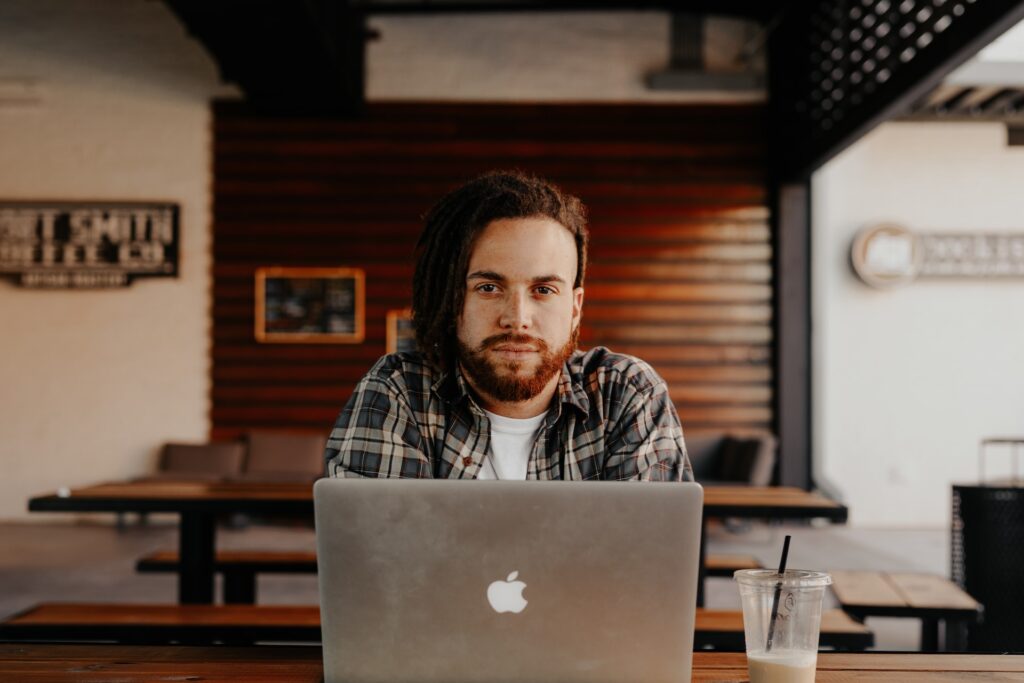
(766, 500)
(915, 591)
(832, 621)
(680, 263)
(132, 664)
(108, 614)
(103, 614)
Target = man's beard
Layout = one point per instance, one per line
(509, 387)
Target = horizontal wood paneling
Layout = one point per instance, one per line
(659, 353)
(234, 380)
(680, 262)
(259, 208)
(277, 415)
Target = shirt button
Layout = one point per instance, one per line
(467, 460)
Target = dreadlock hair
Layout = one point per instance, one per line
(449, 232)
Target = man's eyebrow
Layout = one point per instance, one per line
(548, 278)
(485, 275)
(498, 277)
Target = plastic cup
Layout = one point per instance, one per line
(792, 655)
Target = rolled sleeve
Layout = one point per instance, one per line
(647, 443)
(376, 436)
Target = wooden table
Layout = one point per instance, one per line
(163, 624)
(763, 502)
(776, 502)
(138, 664)
(926, 597)
(199, 505)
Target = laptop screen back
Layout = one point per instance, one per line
(432, 581)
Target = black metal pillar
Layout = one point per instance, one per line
(792, 272)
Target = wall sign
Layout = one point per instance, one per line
(887, 254)
(81, 245)
(310, 305)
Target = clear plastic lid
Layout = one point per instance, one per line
(791, 578)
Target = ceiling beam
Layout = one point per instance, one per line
(310, 55)
(752, 9)
(294, 56)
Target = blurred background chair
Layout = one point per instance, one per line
(283, 456)
(217, 461)
(732, 458)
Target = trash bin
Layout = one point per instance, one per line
(988, 557)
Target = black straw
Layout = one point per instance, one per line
(778, 594)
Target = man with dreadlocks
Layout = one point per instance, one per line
(497, 389)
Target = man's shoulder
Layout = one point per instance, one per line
(602, 366)
(404, 371)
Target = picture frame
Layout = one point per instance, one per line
(400, 334)
(310, 305)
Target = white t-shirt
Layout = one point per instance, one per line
(511, 442)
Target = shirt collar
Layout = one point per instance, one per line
(451, 387)
(571, 390)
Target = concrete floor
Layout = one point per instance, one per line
(95, 561)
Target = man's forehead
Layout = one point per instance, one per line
(524, 248)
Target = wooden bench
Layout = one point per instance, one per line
(723, 630)
(725, 565)
(927, 597)
(160, 624)
(239, 568)
(241, 624)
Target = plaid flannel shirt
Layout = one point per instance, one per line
(611, 418)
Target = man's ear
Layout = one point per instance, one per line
(577, 306)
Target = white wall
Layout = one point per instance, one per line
(907, 381)
(117, 109)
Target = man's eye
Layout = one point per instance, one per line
(545, 290)
(487, 288)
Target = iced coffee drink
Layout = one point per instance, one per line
(781, 667)
(781, 621)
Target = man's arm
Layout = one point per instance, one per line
(376, 435)
(646, 442)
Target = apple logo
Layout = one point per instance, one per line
(507, 596)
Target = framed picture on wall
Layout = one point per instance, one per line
(401, 336)
(310, 305)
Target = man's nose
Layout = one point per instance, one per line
(515, 315)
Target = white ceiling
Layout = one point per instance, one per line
(1008, 47)
(999, 64)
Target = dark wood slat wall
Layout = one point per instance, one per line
(680, 270)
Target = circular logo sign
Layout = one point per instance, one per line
(886, 255)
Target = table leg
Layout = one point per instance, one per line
(955, 636)
(239, 587)
(929, 635)
(196, 553)
(701, 571)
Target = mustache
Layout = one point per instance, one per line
(515, 339)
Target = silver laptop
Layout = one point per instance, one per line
(494, 581)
